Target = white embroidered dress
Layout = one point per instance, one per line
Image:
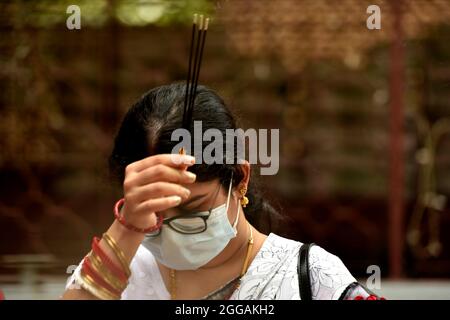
(272, 275)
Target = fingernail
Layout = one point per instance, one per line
(189, 160)
(190, 175)
(187, 192)
(176, 199)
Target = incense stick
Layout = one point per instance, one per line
(199, 63)
(196, 60)
(199, 26)
(189, 69)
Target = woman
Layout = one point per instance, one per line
(190, 231)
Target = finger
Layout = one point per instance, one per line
(162, 172)
(160, 204)
(160, 189)
(171, 160)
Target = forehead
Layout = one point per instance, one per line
(202, 193)
(203, 187)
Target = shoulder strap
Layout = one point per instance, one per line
(304, 281)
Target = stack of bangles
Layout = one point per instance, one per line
(99, 275)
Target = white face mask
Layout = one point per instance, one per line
(191, 251)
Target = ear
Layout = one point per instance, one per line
(245, 168)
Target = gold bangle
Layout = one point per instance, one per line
(106, 274)
(91, 286)
(118, 252)
(109, 277)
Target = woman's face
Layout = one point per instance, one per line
(204, 196)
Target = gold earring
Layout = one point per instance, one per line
(244, 199)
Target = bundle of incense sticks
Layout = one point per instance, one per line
(199, 29)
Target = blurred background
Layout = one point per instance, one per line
(364, 119)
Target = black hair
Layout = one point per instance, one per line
(147, 128)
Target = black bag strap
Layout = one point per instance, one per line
(304, 281)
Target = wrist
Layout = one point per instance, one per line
(127, 240)
(142, 221)
(152, 221)
(122, 233)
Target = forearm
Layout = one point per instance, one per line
(127, 240)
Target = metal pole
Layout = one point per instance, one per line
(396, 159)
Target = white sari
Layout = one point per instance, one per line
(272, 275)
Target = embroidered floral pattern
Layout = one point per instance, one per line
(273, 273)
